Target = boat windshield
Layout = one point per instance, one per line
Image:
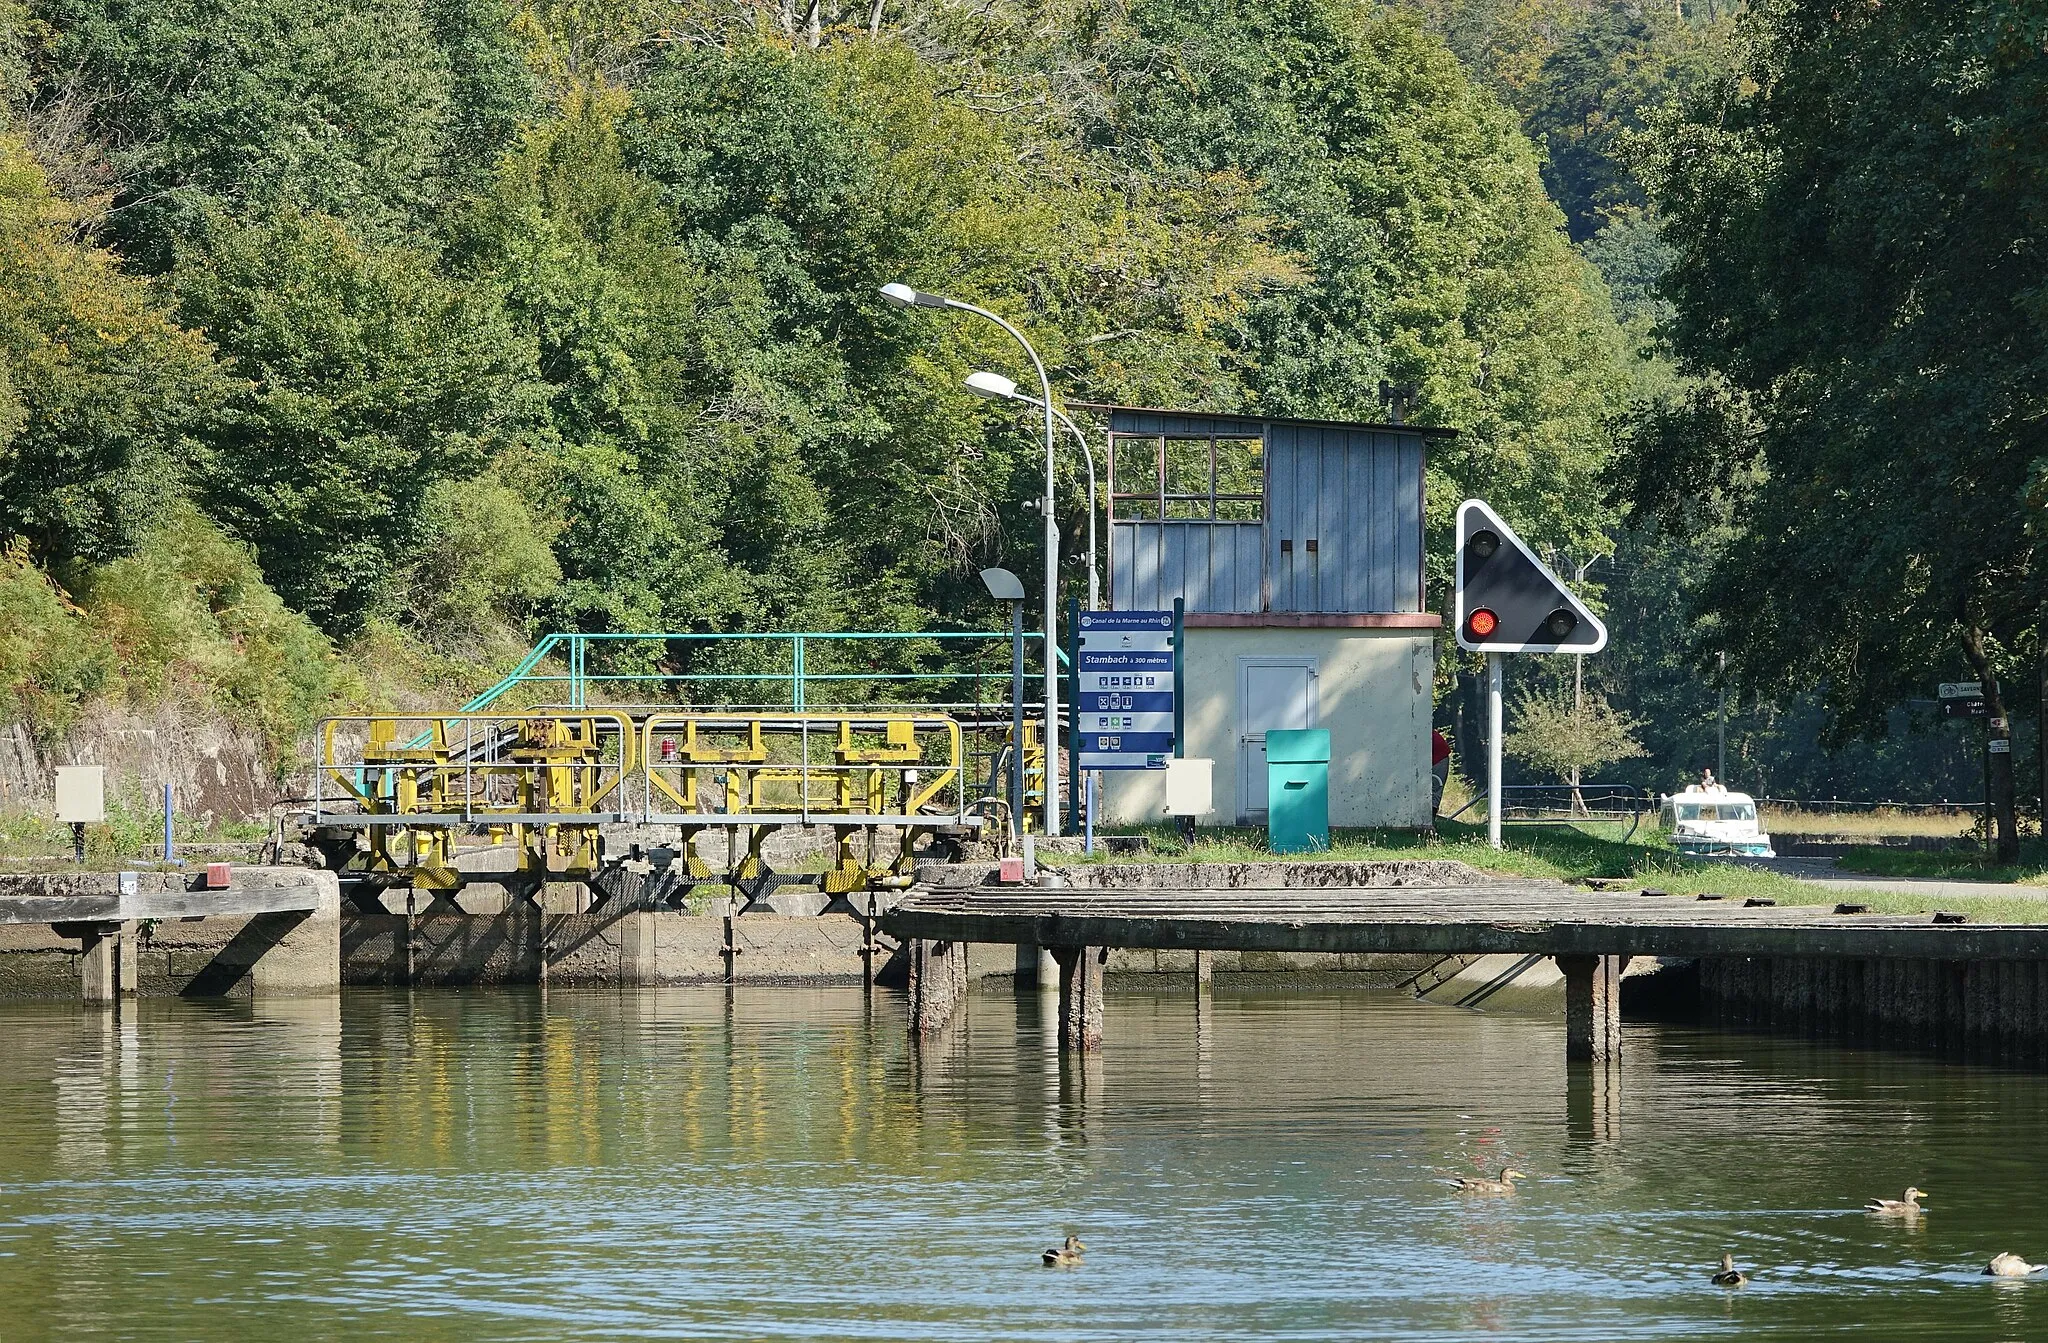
(1717, 811)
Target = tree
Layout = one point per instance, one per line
(102, 395)
(1418, 211)
(1559, 733)
(1852, 217)
(337, 107)
(366, 378)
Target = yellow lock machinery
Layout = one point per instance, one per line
(544, 781)
(755, 773)
(547, 782)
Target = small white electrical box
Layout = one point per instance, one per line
(1187, 786)
(82, 794)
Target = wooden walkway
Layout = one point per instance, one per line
(1522, 917)
(1592, 934)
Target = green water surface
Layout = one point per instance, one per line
(781, 1163)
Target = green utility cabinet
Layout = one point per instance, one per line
(1298, 790)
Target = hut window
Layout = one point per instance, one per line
(1188, 479)
(1135, 468)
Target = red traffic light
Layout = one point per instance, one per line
(1481, 624)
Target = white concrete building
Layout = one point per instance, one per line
(1297, 547)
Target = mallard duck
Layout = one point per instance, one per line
(1906, 1206)
(1731, 1276)
(2011, 1266)
(1065, 1256)
(1479, 1184)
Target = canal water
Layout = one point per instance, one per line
(783, 1164)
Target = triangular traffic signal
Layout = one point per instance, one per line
(1508, 601)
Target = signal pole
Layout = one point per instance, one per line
(1493, 749)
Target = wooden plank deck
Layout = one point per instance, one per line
(1522, 917)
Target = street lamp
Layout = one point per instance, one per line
(903, 296)
(996, 387)
(1004, 587)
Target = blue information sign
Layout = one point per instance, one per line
(1124, 667)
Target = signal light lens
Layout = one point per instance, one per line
(1482, 544)
(1482, 623)
(1559, 624)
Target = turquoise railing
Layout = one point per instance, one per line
(573, 653)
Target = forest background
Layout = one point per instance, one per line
(346, 345)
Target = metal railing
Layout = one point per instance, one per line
(596, 767)
(805, 663)
(473, 769)
(1552, 803)
(803, 769)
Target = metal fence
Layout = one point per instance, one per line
(796, 670)
(1551, 803)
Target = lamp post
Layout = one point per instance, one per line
(1004, 587)
(903, 296)
(996, 387)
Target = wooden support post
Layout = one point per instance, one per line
(96, 965)
(1205, 971)
(1081, 996)
(1592, 1006)
(938, 984)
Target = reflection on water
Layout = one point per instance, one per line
(780, 1162)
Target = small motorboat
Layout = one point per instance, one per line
(1712, 822)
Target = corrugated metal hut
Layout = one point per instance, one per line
(1297, 545)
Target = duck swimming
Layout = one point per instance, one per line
(1731, 1276)
(1906, 1206)
(2011, 1266)
(1065, 1256)
(1479, 1184)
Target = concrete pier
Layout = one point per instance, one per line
(97, 948)
(938, 985)
(1592, 1007)
(1081, 996)
(96, 936)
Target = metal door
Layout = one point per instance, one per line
(1272, 692)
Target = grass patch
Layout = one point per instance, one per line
(1567, 851)
(1876, 823)
(33, 842)
(1962, 863)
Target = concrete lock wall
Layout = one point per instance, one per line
(1371, 690)
(222, 955)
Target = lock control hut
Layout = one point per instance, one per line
(1297, 546)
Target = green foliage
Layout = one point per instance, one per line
(1564, 739)
(327, 106)
(49, 657)
(1852, 219)
(1435, 259)
(186, 617)
(562, 313)
(365, 378)
(189, 613)
(483, 564)
(1591, 95)
(101, 397)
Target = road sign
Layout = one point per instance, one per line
(1963, 699)
(1508, 601)
(1124, 666)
